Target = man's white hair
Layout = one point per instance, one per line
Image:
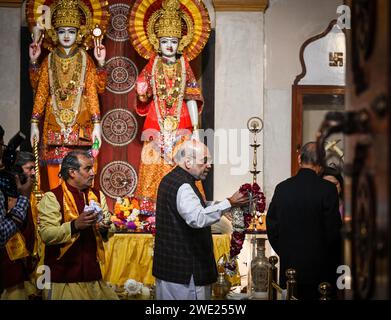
(189, 149)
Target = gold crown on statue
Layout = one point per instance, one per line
(67, 14)
(186, 20)
(169, 23)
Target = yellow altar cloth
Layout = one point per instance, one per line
(130, 255)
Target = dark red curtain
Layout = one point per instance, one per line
(119, 155)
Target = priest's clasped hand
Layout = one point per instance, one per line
(86, 219)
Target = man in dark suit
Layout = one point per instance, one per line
(303, 226)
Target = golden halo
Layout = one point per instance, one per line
(143, 10)
(94, 12)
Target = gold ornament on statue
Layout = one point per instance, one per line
(170, 123)
(66, 116)
(167, 22)
(83, 15)
(71, 85)
(52, 34)
(97, 35)
(186, 20)
(67, 14)
(65, 65)
(63, 95)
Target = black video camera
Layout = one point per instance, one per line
(7, 175)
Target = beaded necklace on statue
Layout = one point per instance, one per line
(168, 73)
(168, 85)
(66, 79)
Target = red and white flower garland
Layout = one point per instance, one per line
(241, 219)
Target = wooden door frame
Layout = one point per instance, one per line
(298, 91)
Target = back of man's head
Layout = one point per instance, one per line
(308, 155)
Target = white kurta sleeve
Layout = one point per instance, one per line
(191, 210)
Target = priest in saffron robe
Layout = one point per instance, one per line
(73, 233)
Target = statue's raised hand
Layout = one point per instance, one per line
(100, 54)
(35, 50)
(142, 88)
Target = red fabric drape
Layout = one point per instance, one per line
(119, 155)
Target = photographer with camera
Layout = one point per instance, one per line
(11, 223)
(16, 258)
(15, 185)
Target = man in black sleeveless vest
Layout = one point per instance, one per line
(183, 262)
